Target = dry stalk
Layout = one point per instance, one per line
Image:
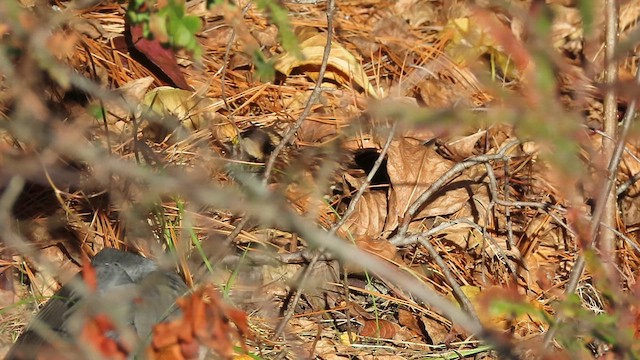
(320, 252)
(601, 203)
(285, 141)
(607, 238)
(312, 98)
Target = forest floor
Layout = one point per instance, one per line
(366, 179)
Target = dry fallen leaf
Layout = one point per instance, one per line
(408, 319)
(369, 215)
(317, 132)
(412, 168)
(342, 66)
(380, 328)
(463, 147)
(194, 112)
(378, 247)
(206, 321)
(436, 330)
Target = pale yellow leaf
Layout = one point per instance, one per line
(342, 66)
(193, 111)
(345, 339)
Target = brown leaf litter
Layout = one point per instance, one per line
(464, 79)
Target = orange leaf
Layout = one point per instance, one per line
(89, 273)
(408, 319)
(381, 328)
(206, 321)
(93, 333)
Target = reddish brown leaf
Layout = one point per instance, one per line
(206, 321)
(89, 273)
(163, 58)
(381, 329)
(93, 333)
(408, 319)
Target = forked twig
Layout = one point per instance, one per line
(320, 252)
(424, 197)
(456, 170)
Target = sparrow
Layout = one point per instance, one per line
(133, 292)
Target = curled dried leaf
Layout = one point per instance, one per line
(343, 67)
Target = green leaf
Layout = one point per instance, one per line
(97, 111)
(193, 23)
(169, 22)
(178, 9)
(182, 37)
(136, 4)
(280, 17)
(586, 8)
(173, 26)
(265, 69)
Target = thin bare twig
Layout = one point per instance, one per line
(455, 287)
(607, 238)
(334, 229)
(456, 170)
(493, 188)
(606, 189)
(312, 98)
(578, 268)
(507, 210)
(285, 141)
